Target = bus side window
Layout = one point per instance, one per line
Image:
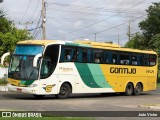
(84, 55)
(89, 55)
(146, 60)
(79, 57)
(134, 60)
(98, 56)
(105, 56)
(109, 56)
(114, 58)
(68, 54)
(124, 59)
(140, 60)
(152, 60)
(75, 55)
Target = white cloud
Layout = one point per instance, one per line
(81, 19)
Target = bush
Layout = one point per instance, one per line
(3, 81)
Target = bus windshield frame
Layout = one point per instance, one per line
(21, 65)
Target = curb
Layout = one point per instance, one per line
(153, 106)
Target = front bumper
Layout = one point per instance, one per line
(29, 90)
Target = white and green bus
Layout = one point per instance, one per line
(43, 67)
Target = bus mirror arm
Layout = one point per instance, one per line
(4, 56)
(35, 60)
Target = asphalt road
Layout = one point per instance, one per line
(79, 102)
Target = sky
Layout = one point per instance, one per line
(96, 20)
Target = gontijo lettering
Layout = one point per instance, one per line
(123, 70)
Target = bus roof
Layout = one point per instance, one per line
(86, 43)
(38, 42)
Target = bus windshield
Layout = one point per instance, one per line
(21, 65)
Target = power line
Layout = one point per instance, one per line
(26, 11)
(105, 19)
(37, 25)
(39, 31)
(87, 7)
(120, 24)
(34, 11)
(37, 16)
(113, 27)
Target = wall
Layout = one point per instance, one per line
(2, 72)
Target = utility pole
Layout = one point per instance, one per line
(44, 19)
(118, 36)
(95, 36)
(129, 31)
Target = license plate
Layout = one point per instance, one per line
(19, 90)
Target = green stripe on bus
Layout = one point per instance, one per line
(26, 82)
(98, 75)
(86, 75)
(72, 44)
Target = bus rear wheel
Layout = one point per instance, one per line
(64, 92)
(138, 89)
(129, 89)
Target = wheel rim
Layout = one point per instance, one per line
(63, 90)
(129, 89)
(138, 88)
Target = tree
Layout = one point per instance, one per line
(151, 25)
(154, 43)
(137, 41)
(10, 35)
(150, 28)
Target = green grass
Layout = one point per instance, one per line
(158, 85)
(1, 65)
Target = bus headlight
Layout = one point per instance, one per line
(32, 85)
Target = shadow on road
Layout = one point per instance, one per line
(14, 96)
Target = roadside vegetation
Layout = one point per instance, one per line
(3, 81)
(10, 34)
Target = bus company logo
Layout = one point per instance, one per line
(48, 88)
(123, 70)
(65, 69)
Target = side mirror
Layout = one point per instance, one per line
(3, 57)
(35, 60)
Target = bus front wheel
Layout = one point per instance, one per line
(138, 89)
(129, 89)
(64, 92)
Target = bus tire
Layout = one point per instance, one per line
(138, 89)
(129, 89)
(64, 92)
